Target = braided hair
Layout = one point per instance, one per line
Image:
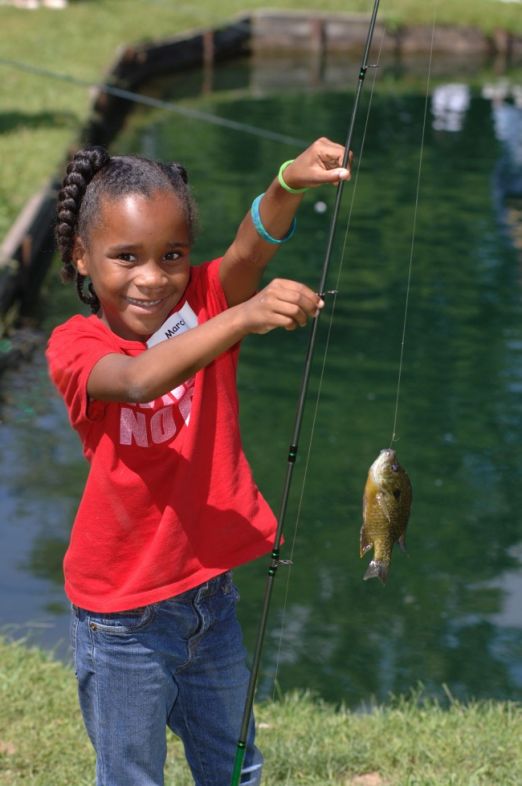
(92, 175)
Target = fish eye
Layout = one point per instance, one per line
(395, 467)
(397, 493)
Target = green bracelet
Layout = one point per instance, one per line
(285, 185)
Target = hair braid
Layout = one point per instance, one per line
(80, 171)
(90, 298)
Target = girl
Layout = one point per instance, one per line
(169, 506)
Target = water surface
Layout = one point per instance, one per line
(450, 613)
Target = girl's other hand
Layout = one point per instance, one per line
(282, 303)
(318, 164)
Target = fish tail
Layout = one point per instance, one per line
(377, 570)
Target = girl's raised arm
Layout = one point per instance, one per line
(281, 304)
(270, 220)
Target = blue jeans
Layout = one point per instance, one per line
(179, 663)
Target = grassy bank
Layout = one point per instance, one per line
(40, 116)
(408, 743)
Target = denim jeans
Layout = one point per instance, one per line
(178, 663)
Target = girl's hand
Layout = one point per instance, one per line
(318, 164)
(244, 261)
(282, 303)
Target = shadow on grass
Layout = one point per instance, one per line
(11, 121)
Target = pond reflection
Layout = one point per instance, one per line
(450, 613)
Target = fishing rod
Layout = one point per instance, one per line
(276, 561)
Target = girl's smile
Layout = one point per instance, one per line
(137, 257)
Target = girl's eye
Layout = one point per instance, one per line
(126, 257)
(172, 256)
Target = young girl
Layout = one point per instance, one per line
(169, 506)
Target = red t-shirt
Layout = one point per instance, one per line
(170, 500)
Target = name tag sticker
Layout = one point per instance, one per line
(178, 322)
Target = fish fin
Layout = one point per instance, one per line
(364, 543)
(376, 570)
(402, 543)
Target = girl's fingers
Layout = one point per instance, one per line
(294, 315)
(298, 312)
(331, 166)
(335, 175)
(287, 304)
(321, 163)
(296, 295)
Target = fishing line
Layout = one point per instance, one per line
(293, 449)
(158, 103)
(333, 292)
(394, 437)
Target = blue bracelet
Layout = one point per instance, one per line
(260, 229)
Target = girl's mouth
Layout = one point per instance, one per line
(146, 304)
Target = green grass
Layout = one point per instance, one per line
(40, 116)
(409, 742)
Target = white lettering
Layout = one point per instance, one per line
(137, 428)
(133, 425)
(185, 405)
(183, 395)
(162, 426)
(179, 392)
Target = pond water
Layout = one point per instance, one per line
(451, 611)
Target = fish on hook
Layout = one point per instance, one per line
(386, 509)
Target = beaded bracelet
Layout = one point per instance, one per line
(284, 184)
(260, 228)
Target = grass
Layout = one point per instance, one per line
(41, 116)
(410, 742)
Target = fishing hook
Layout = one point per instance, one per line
(292, 451)
(328, 292)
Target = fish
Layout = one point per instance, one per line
(386, 510)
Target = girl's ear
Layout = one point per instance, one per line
(79, 256)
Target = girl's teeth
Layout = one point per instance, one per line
(144, 302)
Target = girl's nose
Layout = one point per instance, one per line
(150, 276)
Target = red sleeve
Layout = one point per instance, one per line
(209, 287)
(73, 350)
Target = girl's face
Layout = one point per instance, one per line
(137, 257)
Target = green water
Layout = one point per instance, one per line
(450, 613)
